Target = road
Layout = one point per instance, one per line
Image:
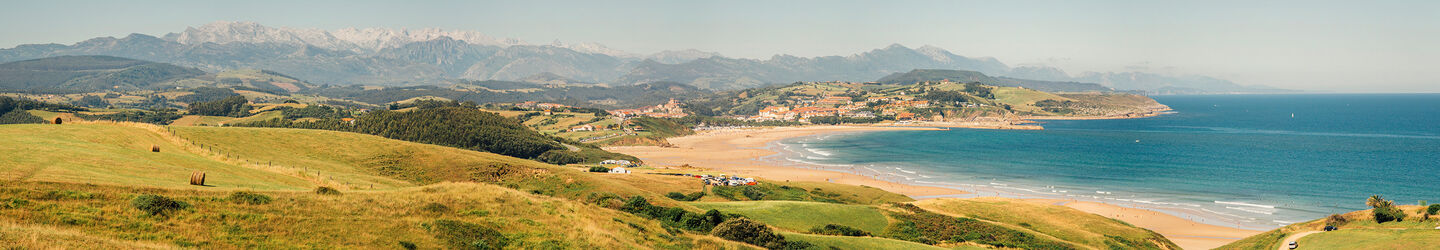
(1285, 244)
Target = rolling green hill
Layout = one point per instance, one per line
(1357, 230)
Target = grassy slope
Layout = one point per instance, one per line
(1351, 231)
(53, 202)
(1061, 222)
(358, 160)
(842, 242)
(1023, 99)
(1373, 239)
(118, 155)
(802, 216)
(307, 220)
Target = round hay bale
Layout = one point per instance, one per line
(155, 148)
(197, 178)
(58, 121)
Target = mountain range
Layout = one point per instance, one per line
(404, 57)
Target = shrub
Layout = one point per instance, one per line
(755, 233)
(465, 235)
(560, 157)
(475, 212)
(1388, 213)
(841, 230)
(65, 195)
(1336, 220)
(1432, 209)
(156, 204)
(407, 245)
(683, 197)
(599, 169)
(1385, 210)
(326, 191)
(242, 197)
(435, 208)
(675, 217)
(9, 203)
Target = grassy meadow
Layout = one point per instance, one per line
(87, 184)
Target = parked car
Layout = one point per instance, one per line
(1294, 245)
(1331, 228)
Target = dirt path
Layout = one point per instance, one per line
(1285, 244)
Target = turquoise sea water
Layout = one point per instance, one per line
(1255, 161)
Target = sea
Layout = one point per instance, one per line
(1248, 161)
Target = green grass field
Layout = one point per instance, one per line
(802, 216)
(1373, 239)
(842, 242)
(1358, 232)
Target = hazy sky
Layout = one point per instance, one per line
(1350, 46)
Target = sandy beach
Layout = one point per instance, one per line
(739, 152)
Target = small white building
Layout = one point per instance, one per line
(586, 127)
(619, 170)
(617, 162)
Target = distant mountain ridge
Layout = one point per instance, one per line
(1149, 83)
(404, 57)
(940, 75)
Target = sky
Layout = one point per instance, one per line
(1327, 46)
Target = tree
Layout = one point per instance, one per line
(1376, 201)
(945, 96)
(977, 89)
(92, 101)
(234, 106)
(1385, 210)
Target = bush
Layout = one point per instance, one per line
(841, 230)
(599, 169)
(156, 204)
(1336, 220)
(407, 245)
(683, 197)
(675, 217)
(1385, 210)
(1388, 213)
(435, 208)
(465, 235)
(560, 157)
(755, 233)
(1432, 209)
(242, 197)
(326, 191)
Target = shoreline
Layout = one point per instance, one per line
(743, 152)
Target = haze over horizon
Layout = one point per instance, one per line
(1313, 46)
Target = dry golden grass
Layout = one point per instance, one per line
(86, 214)
(83, 152)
